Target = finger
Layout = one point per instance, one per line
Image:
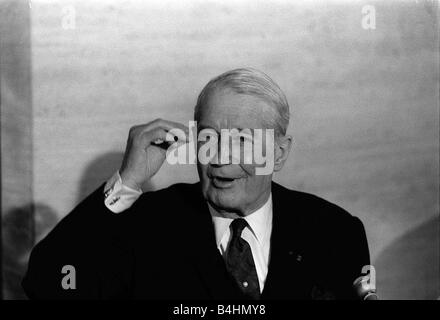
(163, 138)
(178, 135)
(166, 125)
(156, 136)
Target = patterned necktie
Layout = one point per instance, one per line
(240, 263)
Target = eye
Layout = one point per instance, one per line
(246, 138)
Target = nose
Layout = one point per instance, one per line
(219, 161)
(224, 153)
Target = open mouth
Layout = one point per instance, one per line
(223, 182)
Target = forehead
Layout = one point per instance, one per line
(227, 109)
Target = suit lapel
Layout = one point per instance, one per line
(208, 261)
(286, 277)
(287, 274)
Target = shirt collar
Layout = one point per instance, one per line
(258, 221)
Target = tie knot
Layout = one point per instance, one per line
(237, 226)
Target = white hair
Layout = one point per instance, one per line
(251, 82)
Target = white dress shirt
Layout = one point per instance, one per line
(119, 198)
(257, 234)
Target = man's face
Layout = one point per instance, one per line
(233, 188)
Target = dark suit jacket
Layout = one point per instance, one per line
(164, 247)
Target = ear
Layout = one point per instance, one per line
(282, 149)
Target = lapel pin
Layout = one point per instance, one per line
(298, 256)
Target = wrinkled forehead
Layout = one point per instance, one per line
(225, 109)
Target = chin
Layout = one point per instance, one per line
(226, 199)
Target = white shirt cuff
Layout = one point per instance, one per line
(119, 197)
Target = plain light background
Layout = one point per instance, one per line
(364, 107)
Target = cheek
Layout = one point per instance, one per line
(202, 171)
(249, 169)
(254, 182)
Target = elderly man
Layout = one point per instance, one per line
(234, 235)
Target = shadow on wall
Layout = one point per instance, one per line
(21, 226)
(25, 225)
(99, 170)
(412, 261)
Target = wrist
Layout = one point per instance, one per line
(129, 181)
(117, 196)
